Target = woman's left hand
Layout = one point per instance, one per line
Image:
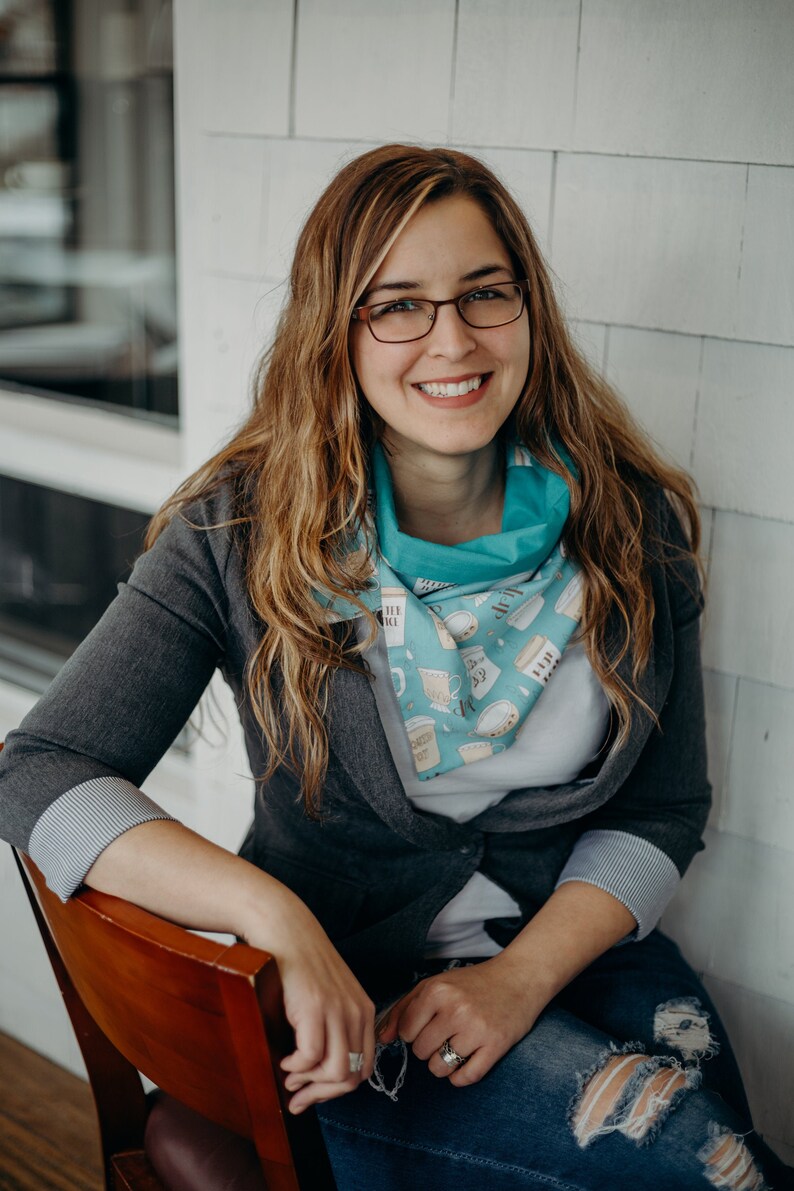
(482, 1010)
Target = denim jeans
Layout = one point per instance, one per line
(525, 1124)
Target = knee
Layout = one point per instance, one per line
(629, 1094)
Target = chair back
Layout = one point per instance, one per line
(203, 1020)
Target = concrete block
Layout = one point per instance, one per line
(649, 243)
(710, 80)
(234, 193)
(591, 339)
(298, 172)
(374, 71)
(528, 176)
(766, 286)
(745, 428)
(720, 695)
(759, 795)
(761, 1030)
(749, 629)
(732, 914)
(657, 374)
(515, 72)
(245, 51)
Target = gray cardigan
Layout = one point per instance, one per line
(375, 870)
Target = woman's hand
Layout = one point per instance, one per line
(483, 1010)
(329, 1011)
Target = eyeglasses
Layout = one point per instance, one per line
(404, 319)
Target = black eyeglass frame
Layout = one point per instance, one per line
(361, 314)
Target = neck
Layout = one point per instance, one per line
(448, 499)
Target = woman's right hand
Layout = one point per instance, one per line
(330, 1012)
(173, 872)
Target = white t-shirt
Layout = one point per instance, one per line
(561, 735)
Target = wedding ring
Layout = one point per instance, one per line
(451, 1056)
(356, 1058)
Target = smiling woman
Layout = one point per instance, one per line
(455, 592)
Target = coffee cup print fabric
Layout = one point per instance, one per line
(483, 673)
(571, 599)
(440, 687)
(478, 750)
(461, 625)
(393, 611)
(538, 659)
(522, 616)
(497, 718)
(421, 731)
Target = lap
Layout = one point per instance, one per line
(515, 1128)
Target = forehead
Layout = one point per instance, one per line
(451, 235)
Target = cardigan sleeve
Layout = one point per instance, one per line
(638, 845)
(70, 774)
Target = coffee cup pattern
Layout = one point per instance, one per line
(538, 659)
(421, 731)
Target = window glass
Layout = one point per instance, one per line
(61, 558)
(87, 270)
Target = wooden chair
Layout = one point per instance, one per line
(205, 1022)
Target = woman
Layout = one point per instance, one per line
(442, 571)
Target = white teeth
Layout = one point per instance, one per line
(452, 390)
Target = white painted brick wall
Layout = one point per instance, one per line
(653, 147)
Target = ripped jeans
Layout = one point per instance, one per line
(626, 1080)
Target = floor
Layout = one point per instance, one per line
(48, 1133)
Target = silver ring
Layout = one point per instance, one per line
(356, 1059)
(451, 1056)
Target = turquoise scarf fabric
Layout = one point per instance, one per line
(475, 631)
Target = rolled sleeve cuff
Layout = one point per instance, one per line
(633, 870)
(79, 825)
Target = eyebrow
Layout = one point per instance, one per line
(474, 275)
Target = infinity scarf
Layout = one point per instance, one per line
(475, 631)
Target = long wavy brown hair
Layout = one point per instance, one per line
(299, 464)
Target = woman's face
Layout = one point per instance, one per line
(447, 249)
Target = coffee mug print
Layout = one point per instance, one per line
(478, 750)
(461, 624)
(440, 687)
(497, 718)
(482, 671)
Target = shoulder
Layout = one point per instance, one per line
(196, 542)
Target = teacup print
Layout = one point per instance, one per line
(437, 685)
(538, 659)
(570, 601)
(478, 750)
(482, 671)
(421, 731)
(398, 679)
(393, 611)
(522, 616)
(481, 597)
(445, 637)
(461, 624)
(497, 718)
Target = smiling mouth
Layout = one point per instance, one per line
(455, 388)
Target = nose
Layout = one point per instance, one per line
(451, 337)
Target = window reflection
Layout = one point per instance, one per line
(87, 273)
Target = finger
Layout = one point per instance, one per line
(315, 1093)
(445, 1070)
(309, 1046)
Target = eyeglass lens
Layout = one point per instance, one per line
(411, 318)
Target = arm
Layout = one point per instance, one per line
(171, 871)
(619, 875)
(69, 794)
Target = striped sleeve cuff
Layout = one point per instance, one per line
(633, 870)
(80, 824)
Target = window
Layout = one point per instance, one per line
(61, 559)
(87, 269)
